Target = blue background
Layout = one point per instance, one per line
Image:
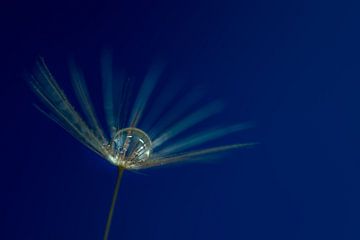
(291, 67)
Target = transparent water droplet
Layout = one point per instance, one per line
(131, 147)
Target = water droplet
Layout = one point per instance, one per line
(131, 147)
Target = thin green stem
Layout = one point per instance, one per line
(111, 211)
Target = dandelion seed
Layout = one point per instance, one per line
(125, 144)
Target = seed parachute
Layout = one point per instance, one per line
(124, 143)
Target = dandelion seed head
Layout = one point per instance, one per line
(123, 143)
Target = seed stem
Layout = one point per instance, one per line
(115, 194)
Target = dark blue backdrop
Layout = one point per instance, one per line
(292, 67)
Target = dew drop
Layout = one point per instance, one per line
(131, 147)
